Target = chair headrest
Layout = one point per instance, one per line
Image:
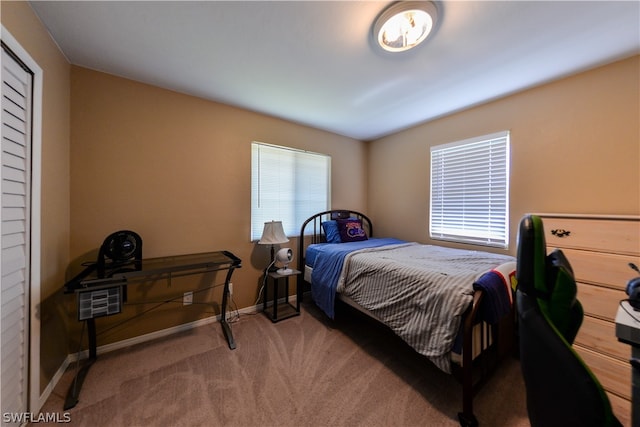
(547, 279)
(531, 255)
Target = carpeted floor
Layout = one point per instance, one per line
(303, 371)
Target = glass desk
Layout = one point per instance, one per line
(104, 296)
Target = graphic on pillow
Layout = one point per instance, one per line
(331, 231)
(351, 230)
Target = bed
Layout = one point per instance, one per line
(445, 303)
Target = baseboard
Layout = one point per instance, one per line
(52, 384)
(75, 357)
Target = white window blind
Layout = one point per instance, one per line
(470, 191)
(287, 185)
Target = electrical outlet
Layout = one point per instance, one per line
(187, 299)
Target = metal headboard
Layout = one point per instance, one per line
(311, 231)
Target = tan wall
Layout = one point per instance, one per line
(177, 170)
(575, 148)
(24, 26)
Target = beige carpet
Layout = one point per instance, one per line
(303, 371)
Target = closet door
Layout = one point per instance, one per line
(15, 185)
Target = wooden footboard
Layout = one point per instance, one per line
(474, 370)
(466, 416)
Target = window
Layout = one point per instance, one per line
(287, 185)
(470, 191)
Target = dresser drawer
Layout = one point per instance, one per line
(620, 236)
(600, 336)
(600, 302)
(613, 374)
(601, 268)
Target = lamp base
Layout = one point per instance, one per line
(284, 271)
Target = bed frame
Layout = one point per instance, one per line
(474, 371)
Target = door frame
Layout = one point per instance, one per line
(34, 402)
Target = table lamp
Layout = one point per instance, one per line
(273, 234)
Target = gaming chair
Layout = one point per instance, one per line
(561, 389)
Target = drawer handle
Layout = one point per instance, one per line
(560, 232)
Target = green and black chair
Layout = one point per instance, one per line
(561, 389)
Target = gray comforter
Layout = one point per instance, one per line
(419, 291)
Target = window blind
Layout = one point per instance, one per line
(470, 191)
(287, 185)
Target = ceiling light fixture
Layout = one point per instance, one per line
(405, 24)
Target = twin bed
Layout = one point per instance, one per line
(445, 303)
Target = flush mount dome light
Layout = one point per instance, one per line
(404, 25)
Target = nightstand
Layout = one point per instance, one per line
(282, 310)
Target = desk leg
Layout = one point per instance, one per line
(93, 341)
(226, 329)
(76, 385)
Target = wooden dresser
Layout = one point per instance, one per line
(600, 249)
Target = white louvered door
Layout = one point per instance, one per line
(15, 185)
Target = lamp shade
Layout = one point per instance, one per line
(273, 234)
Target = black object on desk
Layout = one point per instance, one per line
(89, 283)
(283, 310)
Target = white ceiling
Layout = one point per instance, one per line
(313, 62)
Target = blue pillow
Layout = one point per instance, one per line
(331, 231)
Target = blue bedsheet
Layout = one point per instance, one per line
(326, 260)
